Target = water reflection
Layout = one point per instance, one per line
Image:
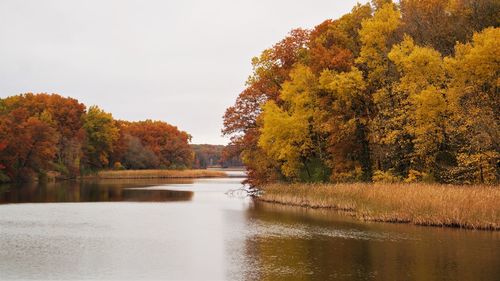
(93, 191)
(302, 244)
(210, 236)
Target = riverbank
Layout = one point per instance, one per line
(154, 174)
(470, 207)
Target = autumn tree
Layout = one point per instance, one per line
(334, 44)
(270, 70)
(289, 135)
(206, 155)
(65, 115)
(48, 132)
(421, 108)
(377, 35)
(137, 156)
(68, 114)
(230, 157)
(166, 142)
(28, 144)
(441, 23)
(345, 120)
(474, 100)
(101, 132)
(382, 93)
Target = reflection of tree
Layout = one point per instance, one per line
(156, 195)
(293, 251)
(303, 244)
(92, 191)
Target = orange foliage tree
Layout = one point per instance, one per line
(48, 132)
(157, 145)
(382, 93)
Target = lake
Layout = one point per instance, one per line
(193, 230)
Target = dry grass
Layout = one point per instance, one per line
(472, 207)
(156, 174)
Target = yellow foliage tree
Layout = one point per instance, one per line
(285, 134)
(345, 123)
(289, 132)
(377, 35)
(474, 98)
(421, 78)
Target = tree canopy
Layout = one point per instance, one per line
(48, 132)
(405, 91)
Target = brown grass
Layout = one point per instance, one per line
(472, 207)
(156, 174)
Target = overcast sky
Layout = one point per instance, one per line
(183, 62)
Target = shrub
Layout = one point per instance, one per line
(385, 177)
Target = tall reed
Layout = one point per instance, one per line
(473, 207)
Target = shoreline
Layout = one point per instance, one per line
(464, 207)
(157, 174)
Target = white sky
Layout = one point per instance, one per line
(183, 62)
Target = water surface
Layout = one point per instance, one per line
(191, 230)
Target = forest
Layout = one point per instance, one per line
(210, 155)
(41, 133)
(390, 92)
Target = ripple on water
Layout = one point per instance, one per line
(264, 229)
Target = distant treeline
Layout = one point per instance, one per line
(389, 92)
(47, 132)
(208, 155)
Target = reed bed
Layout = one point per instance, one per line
(471, 207)
(157, 174)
